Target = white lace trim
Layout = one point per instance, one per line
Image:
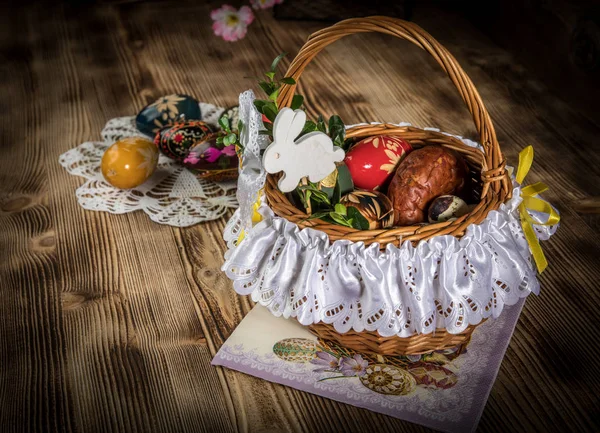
(252, 175)
(172, 196)
(443, 282)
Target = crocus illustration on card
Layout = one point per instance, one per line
(446, 390)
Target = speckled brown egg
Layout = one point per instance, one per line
(445, 208)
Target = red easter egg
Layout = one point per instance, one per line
(373, 161)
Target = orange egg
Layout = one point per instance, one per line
(129, 162)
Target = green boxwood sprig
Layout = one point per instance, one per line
(330, 210)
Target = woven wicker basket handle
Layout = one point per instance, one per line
(415, 34)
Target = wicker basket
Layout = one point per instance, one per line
(495, 183)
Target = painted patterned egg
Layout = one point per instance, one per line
(165, 111)
(176, 141)
(373, 161)
(388, 380)
(129, 162)
(445, 208)
(373, 205)
(295, 349)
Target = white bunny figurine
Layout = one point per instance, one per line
(312, 155)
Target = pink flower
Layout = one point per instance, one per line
(192, 158)
(231, 24)
(264, 4)
(229, 150)
(326, 361)
(211, 154)
(355, 366)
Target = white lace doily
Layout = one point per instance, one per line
(443, 282)
(172, 195)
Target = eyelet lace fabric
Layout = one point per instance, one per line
(444, 282)
(172, 195)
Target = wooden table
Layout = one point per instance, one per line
(108, 323)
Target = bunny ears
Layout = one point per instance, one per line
(312, 155)
(288, 124)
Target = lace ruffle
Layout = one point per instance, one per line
(443, 282)
(172, 195)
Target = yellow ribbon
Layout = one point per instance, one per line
(256, 217)
(531, 202)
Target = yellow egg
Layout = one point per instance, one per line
(129, 162)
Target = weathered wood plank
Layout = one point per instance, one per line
(109, 322)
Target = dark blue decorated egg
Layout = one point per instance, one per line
(165, 111)
(175, 141)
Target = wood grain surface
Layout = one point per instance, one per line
(108, 323)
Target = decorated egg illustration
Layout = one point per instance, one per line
(433, 376)
(129, 162)
(388, 380)
(446, 207)
(176, 141)
(373, 205)
(295, 349)
(165, 111)
(373, 161)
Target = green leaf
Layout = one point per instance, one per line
(319, 196)
(259, 104)
(317, 215)
(297, 102)
(358, 220)
(224, 122)
(270, 75)
(321, 124)
(226, 141)
(339, 219)
(240, 126)
(273, 96)
(347, 144)
(307, 196)
(268, 88)
(340, 209)
(232, 138)
(265, 132)
(309, 126)
(337, 130)
(276, 61)
(270, 113)
(337, 192)
(272, 105)
(288, 80)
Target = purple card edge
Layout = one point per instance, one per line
(515, 310)
(518, 307)
(300, 386)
